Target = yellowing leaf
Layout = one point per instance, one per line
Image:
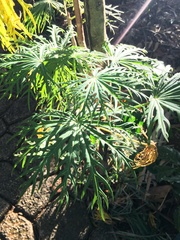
(98, 217)
(11, 27)
(147, 156)
(152, 220)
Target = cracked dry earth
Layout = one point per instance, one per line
(34, 217)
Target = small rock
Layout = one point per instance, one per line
(9, 182)
(32, 204)
(19, 110)
(16, 227)
(7, 146)
(5, 103)
(71, 222)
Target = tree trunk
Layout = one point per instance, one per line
(95, 23)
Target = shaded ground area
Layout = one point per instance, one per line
(35, 217)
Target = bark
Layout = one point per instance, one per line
(79, 24)
(95, 23)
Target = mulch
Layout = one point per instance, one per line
(157, 30)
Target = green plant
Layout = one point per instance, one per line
(113, 15)
(44, 12)
(91, 108)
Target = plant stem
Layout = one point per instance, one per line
(69, 22)
(79, 25)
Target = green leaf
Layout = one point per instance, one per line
(156, 114)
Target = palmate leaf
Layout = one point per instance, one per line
(135, 62)
(156, 114)
(42, 68)
(66, 140)
(130, 57)
(168, 88)
(165, 96)
(107, 88)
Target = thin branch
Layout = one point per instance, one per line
(69, 22)
(79, 25)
